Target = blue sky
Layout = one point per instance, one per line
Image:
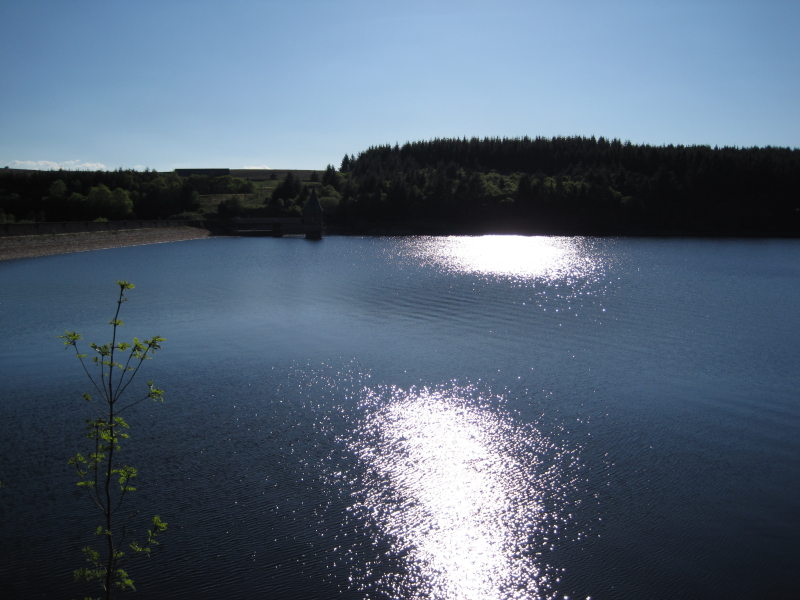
(297, 84)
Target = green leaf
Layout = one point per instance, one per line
(159, 526)
(70, 337)
(123, 580)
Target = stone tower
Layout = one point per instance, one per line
(312, 216)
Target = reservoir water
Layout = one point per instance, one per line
(430, 418)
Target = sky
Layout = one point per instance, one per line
(164, 84)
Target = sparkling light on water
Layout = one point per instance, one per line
(513, 256)
(458, 491)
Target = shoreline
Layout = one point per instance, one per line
(14, 247)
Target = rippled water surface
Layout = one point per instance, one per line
(431, 418)
(464, 494)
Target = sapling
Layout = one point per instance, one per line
(111, 368)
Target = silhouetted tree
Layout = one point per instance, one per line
(332, 178)
(287, 189)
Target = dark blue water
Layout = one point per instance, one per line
(500, 417)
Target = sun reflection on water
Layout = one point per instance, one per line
(459, 492)
(510, 256)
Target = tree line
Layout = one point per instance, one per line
(573, 185)
(111, 195)
(577, 185)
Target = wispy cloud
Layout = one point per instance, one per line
(53, 165)
(256, 167)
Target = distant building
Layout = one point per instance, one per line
(206, 172)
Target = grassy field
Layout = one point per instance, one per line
(273, 174)
(264, 182)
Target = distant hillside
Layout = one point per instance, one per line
(249, 174)
(563, 185)
(29, 195)
(268, 174)
(575, 185)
